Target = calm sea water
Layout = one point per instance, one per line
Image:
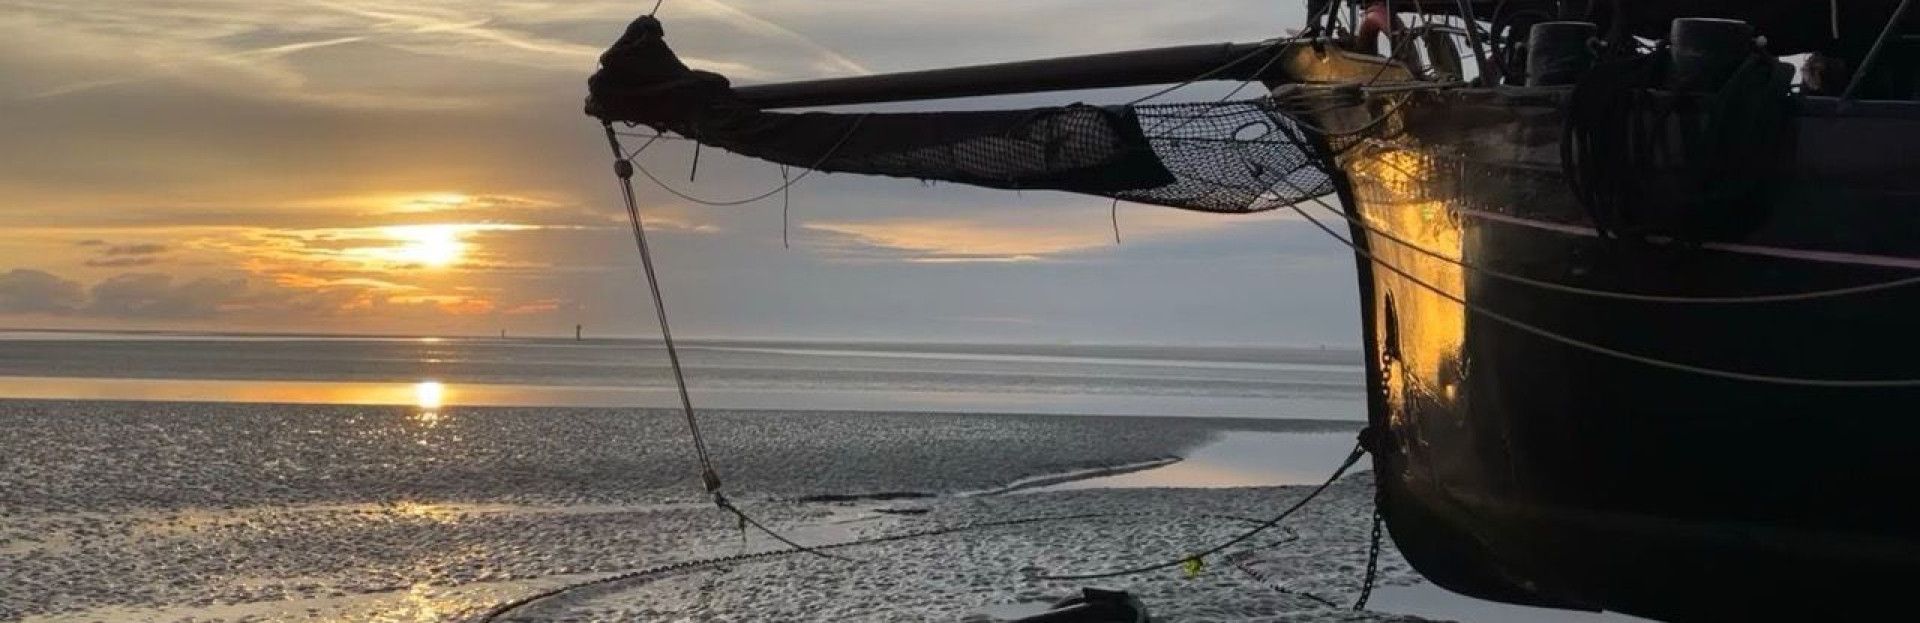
(1053, 379)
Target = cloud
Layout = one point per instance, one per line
(122, 262)
(28, 291)
(542, 306)
(124, 255)
(365, 251)
(158, 296)
(1017, 235)
(145, 248)
(834, 61)
(281, 298)
(249, 50)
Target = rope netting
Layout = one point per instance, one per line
(1241, 156)
(1227, 156)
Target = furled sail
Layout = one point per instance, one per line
(1237, 156)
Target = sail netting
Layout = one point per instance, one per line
(1237, 156)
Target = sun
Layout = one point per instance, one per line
(427, 245)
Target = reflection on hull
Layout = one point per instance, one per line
(1521, 469)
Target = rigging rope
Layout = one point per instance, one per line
(624, 169)
(1592, 347)
(1277, 45)
(1612, 294)
(709, 477)
(786, 208)
(1873, 54)
(851, 129)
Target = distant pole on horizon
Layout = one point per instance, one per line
(576, 333)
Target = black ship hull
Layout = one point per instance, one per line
(1521, 468)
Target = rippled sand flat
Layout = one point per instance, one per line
(170, 511)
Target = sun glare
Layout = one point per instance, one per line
(429, 245)
(429, 395)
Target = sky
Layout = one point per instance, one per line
(423, 168)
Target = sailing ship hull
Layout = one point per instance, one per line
(1520, 468)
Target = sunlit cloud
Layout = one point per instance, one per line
(452, 304)
(432, 202)
(375, 249)
(986, 259)
(542, 306)
(1013, 236)
(959, 239)
(430, 245)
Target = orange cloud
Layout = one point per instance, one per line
(1022, 237)
(455, 304)
(541, 306)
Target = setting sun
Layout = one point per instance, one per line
(430, 245)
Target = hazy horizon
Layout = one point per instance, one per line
(16, 333)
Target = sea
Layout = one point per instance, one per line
(1056, 379)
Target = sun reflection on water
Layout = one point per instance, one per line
(429, 395)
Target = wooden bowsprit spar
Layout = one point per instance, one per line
(1171, 65)
(1221, 156)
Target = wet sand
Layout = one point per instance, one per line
(169, 511)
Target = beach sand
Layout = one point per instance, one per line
(175, 511)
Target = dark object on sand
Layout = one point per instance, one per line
(1094, 605)
(1631, 348)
